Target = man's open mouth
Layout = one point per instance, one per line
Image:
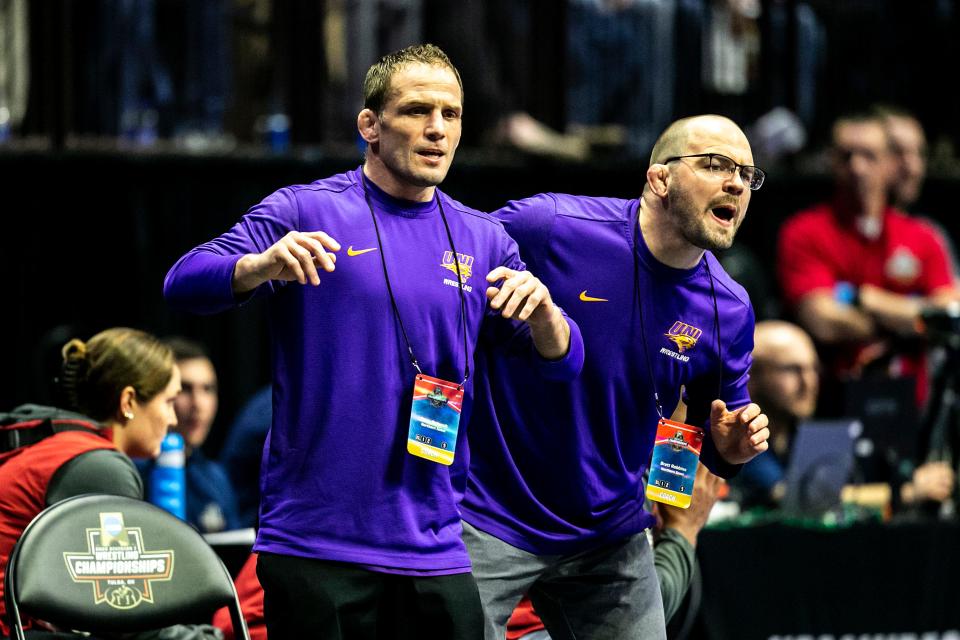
(725, 212)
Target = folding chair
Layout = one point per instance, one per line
(104, 563)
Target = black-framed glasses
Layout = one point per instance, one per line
(721, 165)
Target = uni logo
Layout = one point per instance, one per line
(683, 335)
(465, 261)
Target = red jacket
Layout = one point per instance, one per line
(25, 476)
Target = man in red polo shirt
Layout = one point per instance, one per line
(857, 271)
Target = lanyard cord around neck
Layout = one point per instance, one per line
(393, 300)
(643, 332)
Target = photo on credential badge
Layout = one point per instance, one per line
(673, 465)
(434, 419)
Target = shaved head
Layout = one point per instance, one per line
(784, 379)
(675, 140)
(776, 336)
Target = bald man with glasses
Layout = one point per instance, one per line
(555, 498)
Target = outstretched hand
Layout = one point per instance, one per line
(738, 435)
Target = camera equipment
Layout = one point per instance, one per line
(940, 427)
(942, 325)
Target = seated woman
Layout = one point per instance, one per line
(126, 381)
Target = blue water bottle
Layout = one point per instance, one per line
(168, 484)
(278, 132)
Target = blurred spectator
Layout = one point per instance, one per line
(139, 69)
(909, 144)
(242, 450)
(635, 65)
(785, 381)
(785, 378)
(622, 65)
(731, 54)
(793, 56)
(124, 82)
(493, 43)
(857, 271)
(211, 502)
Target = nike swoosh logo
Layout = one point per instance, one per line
(585, 298)
(354, 252)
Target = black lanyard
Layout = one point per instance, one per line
(643, 332)
(393, 301)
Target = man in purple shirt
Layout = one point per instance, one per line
(358, 538)
(554, 503)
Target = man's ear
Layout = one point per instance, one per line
(368, 124)
(658, 177)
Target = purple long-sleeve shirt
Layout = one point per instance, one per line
(557, 467)
(337, 482)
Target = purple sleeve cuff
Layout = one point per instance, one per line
(568, 367)
(202, 282)
(715, 462)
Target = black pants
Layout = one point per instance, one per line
(306, 598)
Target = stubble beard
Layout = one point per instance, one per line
(693, 224)
(426, 176)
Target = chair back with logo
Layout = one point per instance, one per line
(104, 563)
